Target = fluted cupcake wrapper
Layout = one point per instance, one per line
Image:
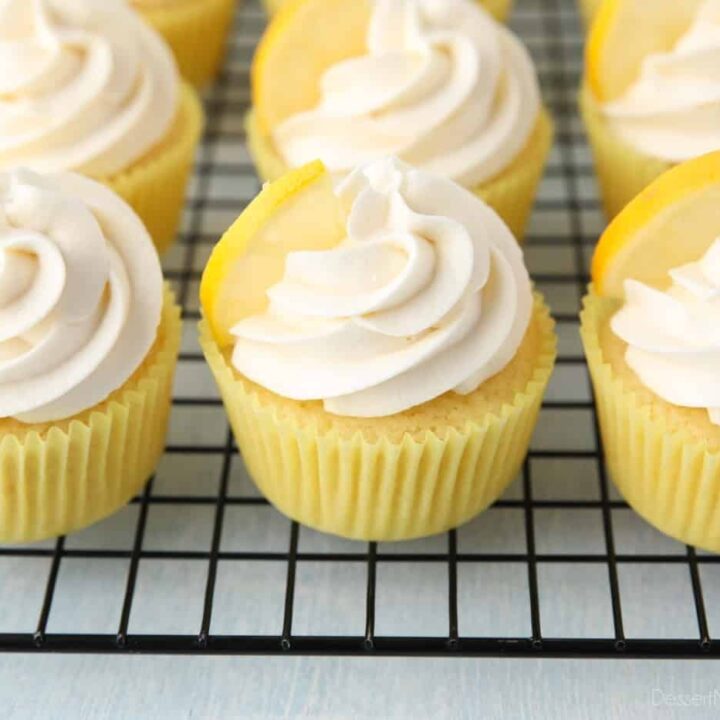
(381, 488)
(197, 32)
(500, 9)
(670, 478)
(59, 477)
(155, 186)
(622, 171)
(511, 194)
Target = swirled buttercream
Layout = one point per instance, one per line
(443, 86)
(672, 110)
(427, 294)
(85, 85)
(80, 295)
(673, 336)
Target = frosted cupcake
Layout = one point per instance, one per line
(379, 349)
(651, 99)
(87, 87)
(500, 9)
(439, 84)
(88, 346)
(196, 30)
(651, 330)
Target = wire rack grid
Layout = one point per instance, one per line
(200, 563)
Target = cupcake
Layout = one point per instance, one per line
(88, 345)
(196, 30)
(87, 87)
(650, 99)
(651, 331)
(439, 84)
(500, 9)
(378, 347)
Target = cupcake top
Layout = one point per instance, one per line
(427, 294)
(80, 295)
(673, 336)
(671, 111)
(442, 85)
(84, 86)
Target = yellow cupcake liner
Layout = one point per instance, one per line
(670, 477)
(60, 477)
(622, 171)
(500, 9)
(384, 483)
(155, 186)
(197, 32)
(511, 194)
(588, 10)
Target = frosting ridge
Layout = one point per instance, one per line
(80, 295)
(84, 86)
(443, 86)
(673, 336)
(427, 294)
(671, 111)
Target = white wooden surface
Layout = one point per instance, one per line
(102, 688)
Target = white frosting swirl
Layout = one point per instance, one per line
(443, 86)
(85, 85)
(427, 294)
(80, 295)
(673, 337)
(672, 110)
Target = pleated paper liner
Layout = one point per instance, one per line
(406, 476)
(511, 194)
(155, 186)
(60, 477)
(622, 171)
(197, 32)
(664, 460)
(500, 9)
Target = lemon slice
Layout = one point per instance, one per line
(304, 38)
(671, 223)
(297, 212)
(624, 33)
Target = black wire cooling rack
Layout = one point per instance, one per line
(170, 554)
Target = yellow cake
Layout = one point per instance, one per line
(649, 98)
(196, 30)
(103, 97)
(383, 463)
(83, 405)
(335, 102)
(661, 442)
